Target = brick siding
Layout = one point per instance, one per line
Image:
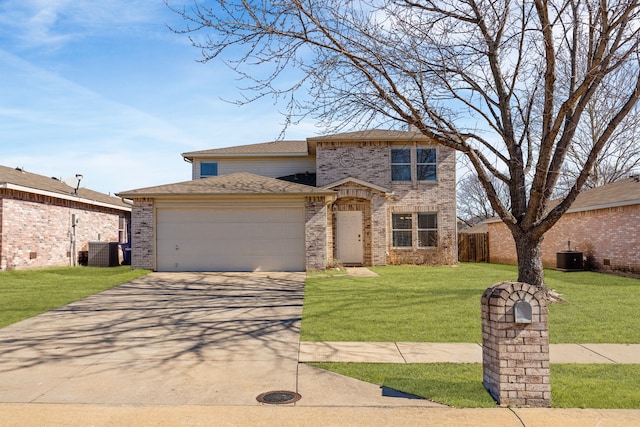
(36, 230)
(371, 162)
(515, 356)
(315, 218)
(368, 161)
(142, 235)
(605, 236)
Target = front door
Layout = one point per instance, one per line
(349, 245)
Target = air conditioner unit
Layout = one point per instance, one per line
(103, 254)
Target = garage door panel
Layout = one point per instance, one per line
(223, 239)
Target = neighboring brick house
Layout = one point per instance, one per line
(373, 197)
(36, 215)
(602, 223)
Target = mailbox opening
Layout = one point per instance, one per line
(522, 312)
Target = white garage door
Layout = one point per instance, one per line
(230, 239)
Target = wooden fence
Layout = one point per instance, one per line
(473, 247)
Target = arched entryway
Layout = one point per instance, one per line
(360, 207)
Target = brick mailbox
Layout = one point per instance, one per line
(515, 345)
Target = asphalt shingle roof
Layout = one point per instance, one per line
(619, 192)
(301, 148)
(19, 177)
(242, 183)
(374, 135)
(265, 148)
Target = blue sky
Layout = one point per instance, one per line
(104, 89)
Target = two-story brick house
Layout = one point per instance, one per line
(361, 198)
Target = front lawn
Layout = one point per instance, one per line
(442, 304)
(26, 293)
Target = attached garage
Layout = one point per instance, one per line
(230, 239)
(235, 222)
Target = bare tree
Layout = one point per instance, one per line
(472, 202)
(620, 155)
(505, 82)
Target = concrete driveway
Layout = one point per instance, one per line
(184, 338)
(175, 339)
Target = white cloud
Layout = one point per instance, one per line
(55, 127)
(53, 23)
(119, 113)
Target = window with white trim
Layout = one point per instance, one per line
(415, 164)
(208, 169)
(402, 227)
(423, 224)
(426, 164)
(427, 230)
(401, 164)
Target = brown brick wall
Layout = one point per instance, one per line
(610, 234)
(515, 356)
(142, 235)
(36, 230)
(370, 162)
(316, 236)
(3, 255)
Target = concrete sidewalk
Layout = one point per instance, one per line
(295, 416)
(403, 352)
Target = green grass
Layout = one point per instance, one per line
(460, 385)
(442, 304)
(595, 386)
(600, 308)
(26, 293)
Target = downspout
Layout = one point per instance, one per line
(73, 256)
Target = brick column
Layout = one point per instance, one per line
(315, 213)
(515, 345)
(142, 235)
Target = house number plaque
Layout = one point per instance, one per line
(347, 160)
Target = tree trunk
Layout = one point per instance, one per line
(529, 251)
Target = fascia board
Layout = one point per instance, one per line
(62, 196)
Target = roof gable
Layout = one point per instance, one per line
(358, 182)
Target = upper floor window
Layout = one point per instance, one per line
(208, 169)
(401, 164)
(426, 164)
(413, 164)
